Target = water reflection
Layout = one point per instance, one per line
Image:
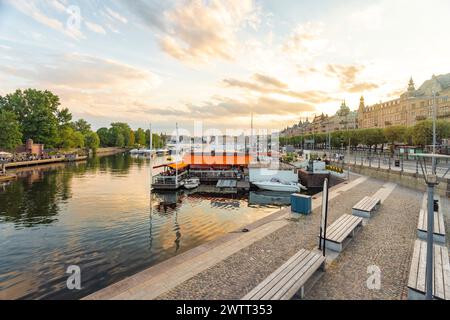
(100, 215)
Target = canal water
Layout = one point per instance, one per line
(100, 216)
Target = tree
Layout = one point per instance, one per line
(37, 112)
(140, 137)
(78, 139)
(104, 136)
(132, 138)
(10, 134)
(123, 129)
(395, 134)
(83, 126)
(422, 133)
(91, 140)
(120, 140)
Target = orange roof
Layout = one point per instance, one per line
(178, 166)
(206, 159)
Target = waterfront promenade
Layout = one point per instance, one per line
(231, 266)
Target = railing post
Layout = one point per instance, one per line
(417, 166)
(370, 161)
(401, 163)
(379, 161)
(389, 163)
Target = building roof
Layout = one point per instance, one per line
(437, 83)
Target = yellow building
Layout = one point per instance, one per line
(412, 106)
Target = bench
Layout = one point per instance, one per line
(290, 278)
(438, 229)
(441, 274)
(365, 207)
(341, 231)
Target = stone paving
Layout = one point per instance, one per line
(386, 241)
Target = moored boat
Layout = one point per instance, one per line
(278, 185)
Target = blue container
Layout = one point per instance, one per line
(301, 203)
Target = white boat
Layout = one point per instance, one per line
(191, 183)
(278, 185)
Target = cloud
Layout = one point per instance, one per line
(116, 15)
(95, 27)
(31, 9)
(196, 31)
(267, 85)
(269, 81)
(348, 77)
(305, 41)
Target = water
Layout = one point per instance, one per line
(97, 215)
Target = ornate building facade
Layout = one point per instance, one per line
(323, 123)
(411, 107)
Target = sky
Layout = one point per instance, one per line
(219, 61)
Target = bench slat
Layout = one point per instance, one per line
(413, 273)
(337, 226)
(281, 288)
(271, 280)
(441, 270)
(439, 227)
(300, 278)
(289, 278)
(350, 223)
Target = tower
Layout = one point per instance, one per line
(411, 88)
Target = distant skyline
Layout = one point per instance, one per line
(219, 61)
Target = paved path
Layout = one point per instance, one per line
(385, 244)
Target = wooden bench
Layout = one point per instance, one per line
(438, 229)
(290, 278)
(341, 231)
(441, 274)
(365, 207)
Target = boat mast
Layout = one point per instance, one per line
(176, 157)
(151, 156)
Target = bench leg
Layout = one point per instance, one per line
(302, 292)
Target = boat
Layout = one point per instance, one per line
(278, 185)
(191, 183)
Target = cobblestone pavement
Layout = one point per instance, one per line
(235, 276)
(387, 242)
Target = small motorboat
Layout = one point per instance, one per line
(278, 185)
(191, 183)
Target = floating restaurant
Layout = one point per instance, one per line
(225, 170)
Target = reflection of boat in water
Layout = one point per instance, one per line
(191, 183)
(269, 198)
(278, 185)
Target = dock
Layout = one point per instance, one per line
(43, 161)
(7, 177)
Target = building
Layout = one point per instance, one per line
(412, 106)
(31, 148)
(343, 119)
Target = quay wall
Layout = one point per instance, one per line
(405, 179)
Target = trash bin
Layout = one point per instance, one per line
(301, 203)
(397, 163)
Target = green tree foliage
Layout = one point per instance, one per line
(140, 137)
(119, 140)
(91, 140)
(123, 129)
(82, 126)
(10, 134)
(37, 113)
(422, 133)
(395, 134)
(69, 138)
(105, 138)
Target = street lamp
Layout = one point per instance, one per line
(432, 180)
